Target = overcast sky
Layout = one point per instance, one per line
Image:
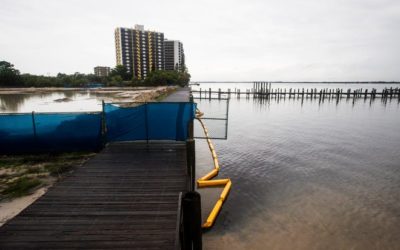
(308, 40)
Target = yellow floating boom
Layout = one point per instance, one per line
(206, 181)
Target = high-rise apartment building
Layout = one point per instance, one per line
(140, 51)
(101, 71)
(174, 55)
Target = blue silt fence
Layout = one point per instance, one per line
(149, 121)
(66, 132)
(49, 132)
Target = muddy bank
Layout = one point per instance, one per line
(111, 94)
(75, 100)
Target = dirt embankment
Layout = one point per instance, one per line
(111, 94)
(143, 95)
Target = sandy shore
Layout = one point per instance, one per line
(9, 209)
(111, 94)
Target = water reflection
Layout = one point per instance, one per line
(11, 102)
(55, 101)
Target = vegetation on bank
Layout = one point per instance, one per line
(119, 76)
(22, 174)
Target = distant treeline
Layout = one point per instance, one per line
(119, 76)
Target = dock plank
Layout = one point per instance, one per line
(125, 197)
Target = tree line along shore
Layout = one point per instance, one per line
(119, 76)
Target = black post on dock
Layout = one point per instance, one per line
(191, 209)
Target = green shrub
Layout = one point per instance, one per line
(20, 187)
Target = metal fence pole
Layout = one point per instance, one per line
(190, 132)
(34, 125)
(191, 163)
(103, 125)
(146, 123)
(227, 117)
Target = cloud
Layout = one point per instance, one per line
(223, 40)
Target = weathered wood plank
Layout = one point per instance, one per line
(125, 197)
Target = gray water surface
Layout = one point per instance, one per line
(306, 175)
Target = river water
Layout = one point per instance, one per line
(306, 175)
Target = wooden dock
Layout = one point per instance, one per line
(127, 196)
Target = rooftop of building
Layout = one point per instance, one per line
(138, 27)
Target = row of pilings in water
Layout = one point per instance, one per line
(265, 90)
